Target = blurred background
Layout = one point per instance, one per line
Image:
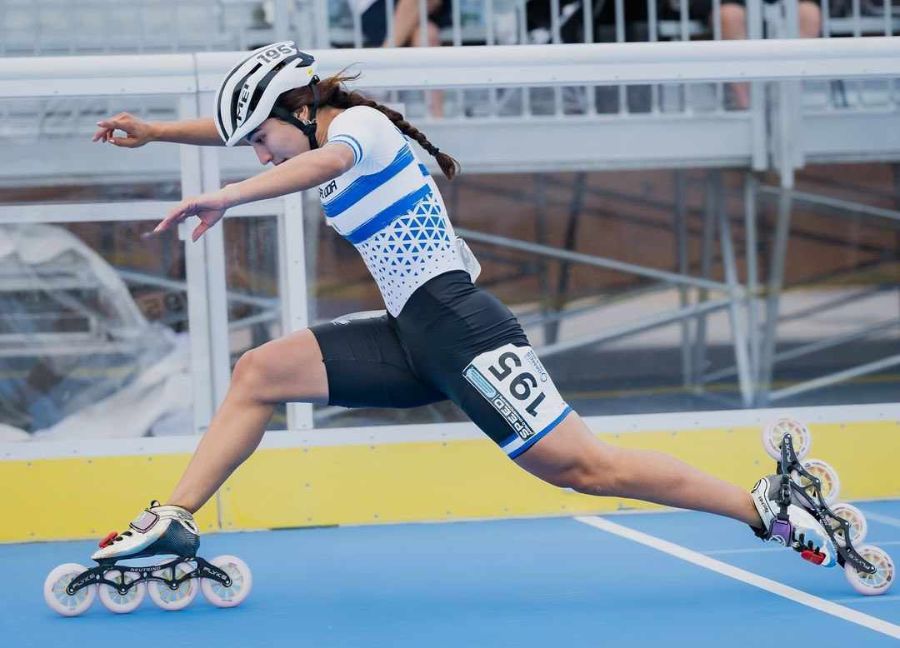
(669, 247)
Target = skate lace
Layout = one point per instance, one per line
(114, 537)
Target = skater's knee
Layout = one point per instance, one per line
(249, 372)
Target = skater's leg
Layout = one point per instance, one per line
(287, 369)
(356, 362)
(571, 456)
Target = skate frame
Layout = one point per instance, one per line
(97, 575)
(822, 512)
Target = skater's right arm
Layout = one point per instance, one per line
(201, 132)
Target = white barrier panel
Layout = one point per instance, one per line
(473, 67)
(616, 63)
(71, 76)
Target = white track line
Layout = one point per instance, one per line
(728, 552)
(869, 599)
(780, 589)
(884, 519)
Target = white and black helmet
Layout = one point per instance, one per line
(250, 91)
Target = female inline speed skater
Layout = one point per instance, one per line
(441, 338)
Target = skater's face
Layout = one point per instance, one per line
(276, 141)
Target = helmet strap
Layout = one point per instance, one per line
(307, 126)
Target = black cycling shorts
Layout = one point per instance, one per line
(452, 340)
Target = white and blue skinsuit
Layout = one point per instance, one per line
(442, 337)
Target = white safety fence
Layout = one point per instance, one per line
(56, 87)
(45, 27)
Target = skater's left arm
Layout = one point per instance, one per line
(296, 174)
(302, 172)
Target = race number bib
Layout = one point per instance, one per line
(515, 382)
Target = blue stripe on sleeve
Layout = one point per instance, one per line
(512, 437)
(388, 215)
(364, 185)
(540, 435)
(350, 141)
(424, 170)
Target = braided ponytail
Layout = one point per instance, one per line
(332, 93)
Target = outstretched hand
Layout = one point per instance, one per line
(137, 132)
(208, 207)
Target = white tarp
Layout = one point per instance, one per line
(78, 359)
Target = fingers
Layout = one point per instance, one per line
(103, 133)
(175, 216)
(188, 207)
(107, 127)
(126, 142)
(199, 231)
(208, 218)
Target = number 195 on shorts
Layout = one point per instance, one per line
(515, 382)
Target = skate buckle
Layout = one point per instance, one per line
(108, 540)
(815, 557)
(784, 491)
(780, 531)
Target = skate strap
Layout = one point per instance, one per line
(784, 497)
(144, 522)
(781, 531)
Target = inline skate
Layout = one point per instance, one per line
(173, 584)
(798, 505)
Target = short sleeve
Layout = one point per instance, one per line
(358, 128)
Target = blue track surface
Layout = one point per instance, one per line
(543, 582)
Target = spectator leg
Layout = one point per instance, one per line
(810, 20)
(435, 98)
(406, 20)
(734, 27)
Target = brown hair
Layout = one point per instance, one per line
(332, 93)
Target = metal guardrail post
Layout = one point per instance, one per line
(738, 332)
(293, 287)
(751, 252)
(773, 293)
(681, 254)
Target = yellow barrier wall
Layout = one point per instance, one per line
(52, 499)
(398, 482)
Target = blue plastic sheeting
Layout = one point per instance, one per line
(538, 582)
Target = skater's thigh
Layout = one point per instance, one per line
(569, 449)
(368, 366)
(287, 369)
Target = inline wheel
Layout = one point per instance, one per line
(872, 584)
(828, 478)
(774, 432)
(241, 582)
(55, 590)
(859, 527)
(114, 600)
(167, 598)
